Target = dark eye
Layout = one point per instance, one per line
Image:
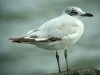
(74, 12)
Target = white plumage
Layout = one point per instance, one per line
(66, 27)
(58, 33)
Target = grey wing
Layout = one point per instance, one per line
(54, 29)
(59, 27)
(41, 36)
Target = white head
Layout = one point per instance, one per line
(76, 12)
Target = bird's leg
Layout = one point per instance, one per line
(57, 57)
(65, 54)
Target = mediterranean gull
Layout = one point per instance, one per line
(58, 33)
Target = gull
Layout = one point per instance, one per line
(59, 33)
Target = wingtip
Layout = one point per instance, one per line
(10, 39)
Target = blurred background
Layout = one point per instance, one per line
(17, 17)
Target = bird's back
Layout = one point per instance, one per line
(59, 26)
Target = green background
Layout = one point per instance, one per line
(17, 17)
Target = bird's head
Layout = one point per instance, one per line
(76, 12)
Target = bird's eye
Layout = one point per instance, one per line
(74, 12)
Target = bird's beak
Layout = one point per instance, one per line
(87, 15)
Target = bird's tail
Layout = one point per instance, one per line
(32, 40)
(22, 40)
